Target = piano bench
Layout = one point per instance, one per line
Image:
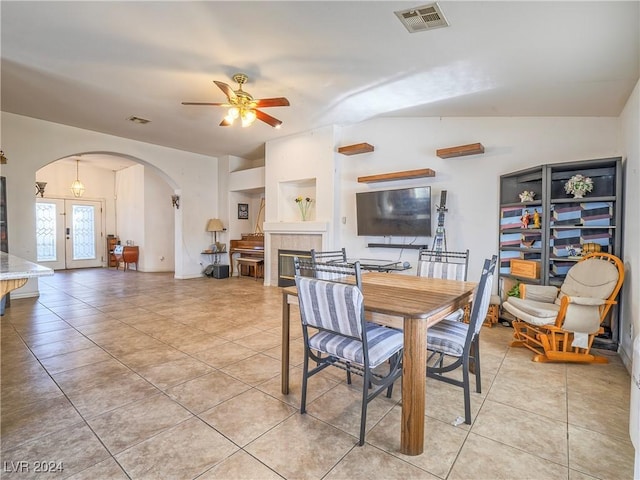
(255, 263)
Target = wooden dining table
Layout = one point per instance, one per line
(413, 304)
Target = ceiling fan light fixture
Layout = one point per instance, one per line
(242, 105)
(248, 117)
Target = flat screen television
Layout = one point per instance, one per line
(400, 213)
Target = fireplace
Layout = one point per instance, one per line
(286, 270)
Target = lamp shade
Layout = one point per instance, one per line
(215, 225)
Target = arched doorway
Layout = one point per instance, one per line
(125, 199)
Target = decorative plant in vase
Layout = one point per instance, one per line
(304, 204)
(578, 186)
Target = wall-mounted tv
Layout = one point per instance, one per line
(400, 213)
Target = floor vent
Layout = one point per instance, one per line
(421, 19)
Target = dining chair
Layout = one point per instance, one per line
(328, 265)
(332, 271)
(336, 334)
(453, 344)
(446, 265)
(329, 256)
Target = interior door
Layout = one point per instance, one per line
(69, 233)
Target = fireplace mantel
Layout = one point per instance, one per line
(295, 227)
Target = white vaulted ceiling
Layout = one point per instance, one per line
(95, 64)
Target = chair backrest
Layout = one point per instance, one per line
(349, 273)
(331, 306)
(329, 256)
(597, 275)
(482, 297)
(446, 265)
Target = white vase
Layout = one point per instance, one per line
(578, 194)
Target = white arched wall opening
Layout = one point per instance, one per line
(30, 144)
(136, 200)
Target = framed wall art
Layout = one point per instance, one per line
(243, 211)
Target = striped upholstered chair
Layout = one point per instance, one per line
(336, 334)
(454, 344)
(446, 265)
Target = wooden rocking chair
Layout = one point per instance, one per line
(559, 325)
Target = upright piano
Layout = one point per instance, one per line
(250, 245)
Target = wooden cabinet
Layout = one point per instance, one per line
(568, 226)
(112, 241)
(5, 301)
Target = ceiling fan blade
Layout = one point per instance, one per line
(266, 118)
(272, 102)
(215, 104)
(228, 91)
(225, 123)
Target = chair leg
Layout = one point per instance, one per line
(363, 413)
(392, 362)
(467, 396)
(476, 361)
(305, 373)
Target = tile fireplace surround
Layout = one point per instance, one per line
(290, 236)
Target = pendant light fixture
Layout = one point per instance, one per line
(77, 187)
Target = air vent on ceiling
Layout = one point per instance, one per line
(421, 19)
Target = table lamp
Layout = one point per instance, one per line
(214, 226)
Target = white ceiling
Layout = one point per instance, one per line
(95, 64)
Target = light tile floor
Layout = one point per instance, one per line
(114, 374)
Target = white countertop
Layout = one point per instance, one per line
(12, 268)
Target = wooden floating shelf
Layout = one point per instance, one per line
(356, 149)
(461, 151)
(385, 177)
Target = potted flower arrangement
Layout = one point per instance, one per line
(304, 204)
(578, 185)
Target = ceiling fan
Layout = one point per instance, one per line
(243, 106)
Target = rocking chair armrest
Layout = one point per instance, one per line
(539, 293)
(589, 301)
(568, 303)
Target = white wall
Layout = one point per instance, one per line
(130, 193)
(298, 158)
(158, 254)
(30, 144)
(472, 182)
(630, 308)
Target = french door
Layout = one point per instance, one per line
(69, 233)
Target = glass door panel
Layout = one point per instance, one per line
(83, 229)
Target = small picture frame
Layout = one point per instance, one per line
(243, 211)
